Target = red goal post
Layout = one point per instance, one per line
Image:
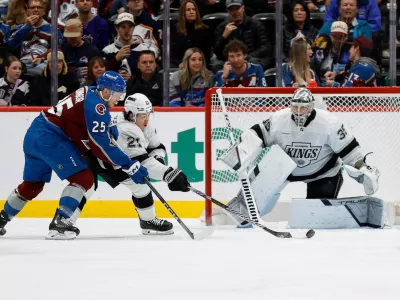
(372, 114)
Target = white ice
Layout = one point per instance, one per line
(112, 260)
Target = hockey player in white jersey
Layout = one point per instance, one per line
(316, 140)
(139, 140)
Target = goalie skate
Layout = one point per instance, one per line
(156, 227)
(62, 229)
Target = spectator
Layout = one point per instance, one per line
(190, 32)
(17, 12)
(188, 86)
(148, 81)
(13, 91)
(317, 5)
(122, 55)
(348, 13)
(331, 53)
(298, 20)
(251, 32)
(363, 70)
(145, 25)
(238, 72)
(4, 51)
(297, 73)
(3, 10)
(96, 67)
(95, 29)
(367, 10)
(41, 85)
(77, 51)
(33, 38)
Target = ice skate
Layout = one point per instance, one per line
(3, 222)
(156, 227)
(62, 229)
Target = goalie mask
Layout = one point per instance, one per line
(302, 105)
(138, 109)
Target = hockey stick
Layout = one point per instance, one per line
(243, 177)
(285, 235)
(195, 236)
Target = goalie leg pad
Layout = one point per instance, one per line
(341, 213)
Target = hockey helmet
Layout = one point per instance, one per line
(137, 104)
(302, 105)
(112, 81)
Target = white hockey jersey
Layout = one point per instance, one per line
(143, 146)
(318, 150)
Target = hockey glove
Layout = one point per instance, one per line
(160, 159)
(137, 173)
(366, 175)
(177, 180)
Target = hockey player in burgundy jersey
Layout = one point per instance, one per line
(139, 140)
(56, 141)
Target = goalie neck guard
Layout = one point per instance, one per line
(302, 105)
(137, 104)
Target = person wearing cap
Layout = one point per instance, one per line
(77, 51)
(40, 88)
(33, 38)
(363, 71)
(246, 29)
(348, 14)
(95, 28)
(122, 55)
(331, 53)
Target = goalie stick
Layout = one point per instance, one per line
(243, 177)
(285, 235)
(195, 236)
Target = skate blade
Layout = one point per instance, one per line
(2, 231)
(155, 232)
(55, 235)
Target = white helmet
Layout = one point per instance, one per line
(137, 104)
(302, 98)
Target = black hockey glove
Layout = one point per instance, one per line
(177, 180)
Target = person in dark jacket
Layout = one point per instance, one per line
(148, 81)
(190, 32)
(40, 94)
(298, 20)
(251, 32)
(96, 67)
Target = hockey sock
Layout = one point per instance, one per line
(14, 205)
(146, 214)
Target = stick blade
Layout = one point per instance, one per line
(209, 230)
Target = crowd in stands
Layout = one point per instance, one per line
(332, 42)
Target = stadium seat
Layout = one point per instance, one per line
(213, 20)
(269, 76)
(317, 19)
(268, 20)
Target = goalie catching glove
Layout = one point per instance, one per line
(366, 175)
(177, 180)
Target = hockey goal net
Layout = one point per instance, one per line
(372, 114)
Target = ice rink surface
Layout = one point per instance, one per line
(112, 260)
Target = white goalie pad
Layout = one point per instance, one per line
(267, 179)
(244, 152)
(344, 213)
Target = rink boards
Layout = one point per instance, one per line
(182, 132)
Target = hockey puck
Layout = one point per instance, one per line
(310, 233)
